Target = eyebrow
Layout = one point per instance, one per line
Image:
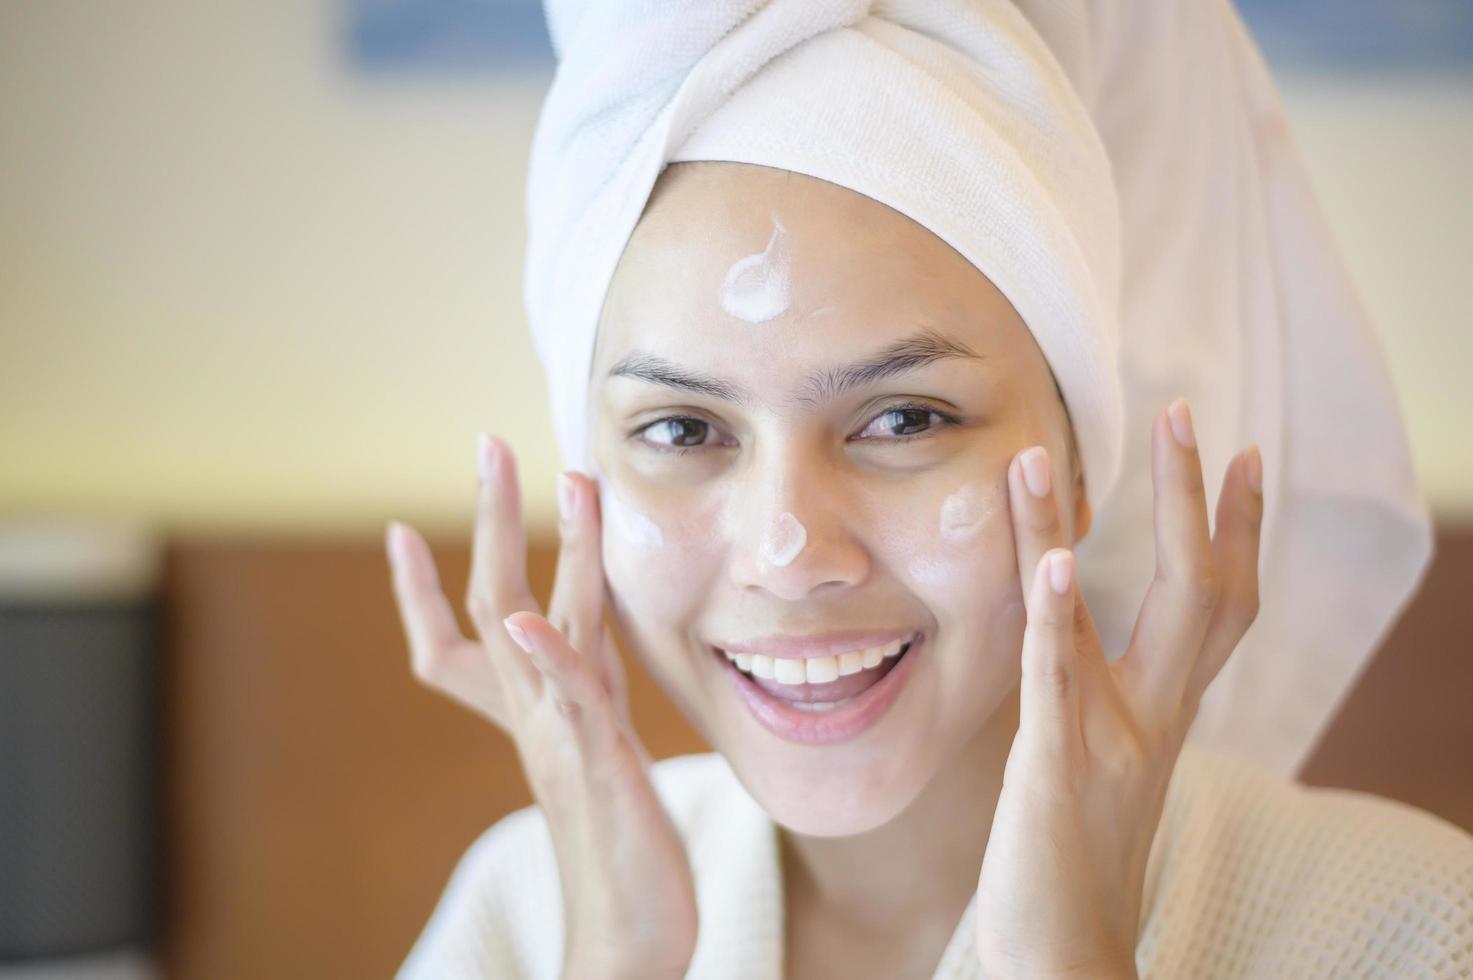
(915, 351)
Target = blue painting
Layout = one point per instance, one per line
(447, 36)
(1317, 36)
(1363, 36)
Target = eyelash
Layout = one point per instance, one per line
(947, 419)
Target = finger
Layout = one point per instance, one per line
(576, 608)
(499, 547)
(570, 681)
(1169, 631)
(1034, 511)
(615, 678)
(428, 620)
(498, 576)
(440, 655)
(1049, 695)
(1235, 548)
(498, 581)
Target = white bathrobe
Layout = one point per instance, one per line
(1250, 875)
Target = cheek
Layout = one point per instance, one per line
(658, 563)
(962, 565)
(958, 551)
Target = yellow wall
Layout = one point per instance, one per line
(244, 289)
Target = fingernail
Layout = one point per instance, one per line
(565, 497)
(1035, 471)
(1180, 417)
(1060, 572)
(394, 541)
(485, 455)
(1255, 470)
(518, 635)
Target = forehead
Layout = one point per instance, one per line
(862, 276)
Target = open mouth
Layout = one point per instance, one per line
(819, 683)
(823, 712)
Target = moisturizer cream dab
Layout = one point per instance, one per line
(784, 540)
(964, 512)
(632, 527)
(759, 287)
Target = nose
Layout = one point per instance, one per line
(790, 536)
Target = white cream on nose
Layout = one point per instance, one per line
(783, 540)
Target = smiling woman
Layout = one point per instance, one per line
(834, 438)
(832, 300)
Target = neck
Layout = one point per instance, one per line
(923, 863)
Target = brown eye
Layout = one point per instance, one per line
(677, 432)
(899, 425)
(904, 421)
(900, 422)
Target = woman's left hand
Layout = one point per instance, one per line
(1085, 782)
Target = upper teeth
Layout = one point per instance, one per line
(813, 670)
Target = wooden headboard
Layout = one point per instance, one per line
(318, 797)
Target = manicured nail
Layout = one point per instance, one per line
(565, 497)
(518, 635)
(1180, 417)
(1255, 470)
(1035, 471)
(1060, 572)
(394, 541)
(485, 455)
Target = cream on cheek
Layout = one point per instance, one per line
(633, 551)
(948, 548)
(657, 561)
(632, 528)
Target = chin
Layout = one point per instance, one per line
(818, 794)
(833, 773)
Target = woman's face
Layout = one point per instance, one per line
(816, 439)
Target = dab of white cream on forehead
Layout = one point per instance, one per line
(759, 287)
(632, 527)
(784, 540)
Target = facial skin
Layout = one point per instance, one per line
(901, 531)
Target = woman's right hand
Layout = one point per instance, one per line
(556, 685)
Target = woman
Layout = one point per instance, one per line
(832, 304)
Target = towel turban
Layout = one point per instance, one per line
(1121, 171)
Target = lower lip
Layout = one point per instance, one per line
(826, 727)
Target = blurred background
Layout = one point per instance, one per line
(260, 285)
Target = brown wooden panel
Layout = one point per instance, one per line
(1406, 729)
(319, 797)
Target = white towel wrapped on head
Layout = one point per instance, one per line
(953, 114)
(1121, 171)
